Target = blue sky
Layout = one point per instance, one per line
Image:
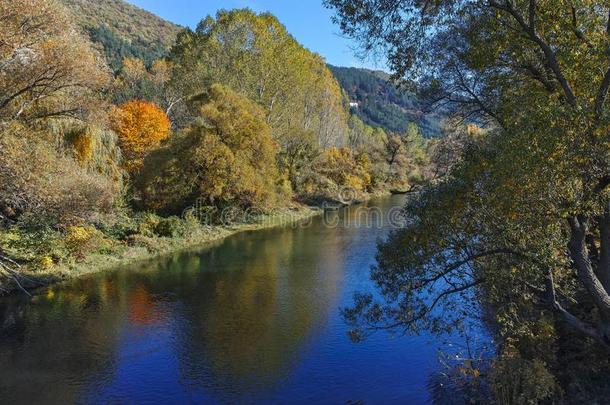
(307, 20)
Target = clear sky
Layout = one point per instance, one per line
(307, 20)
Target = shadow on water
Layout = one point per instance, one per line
(252, 319)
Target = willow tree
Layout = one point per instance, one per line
(526, 214)
(47, 70)
(227, 158)
(255, 55)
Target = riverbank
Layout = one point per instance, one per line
(107, 253)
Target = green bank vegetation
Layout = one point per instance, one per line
(238, 118)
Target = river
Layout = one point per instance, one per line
(254, 318)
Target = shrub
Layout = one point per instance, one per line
(345, 168)
(171, 227)
(336, 170)
(82, 240)
(41, 247)
(147, 224)
(42, 186)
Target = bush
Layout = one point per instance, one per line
(338, 174)
(147, 224)
(345, 168)
(83, 240)
(41, 248)
(171, 227)
(42, 186)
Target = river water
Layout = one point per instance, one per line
(252, 319)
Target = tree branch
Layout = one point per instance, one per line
(460, 263)
(569, 318)
(548, 52)
(582, 263)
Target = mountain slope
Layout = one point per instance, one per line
(123, 30)
(381, 104)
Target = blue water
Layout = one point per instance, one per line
(253, 319)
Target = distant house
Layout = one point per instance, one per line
(353, 104)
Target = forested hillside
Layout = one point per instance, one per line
(382, 104)
(123, 30)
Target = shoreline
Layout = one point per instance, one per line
(125, 255)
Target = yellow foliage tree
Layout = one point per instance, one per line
(346, 168)
(227, 159)
(141, 127)
(335, 171)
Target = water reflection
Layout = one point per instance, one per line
(230, 323)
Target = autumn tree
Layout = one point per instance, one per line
(46, 68)
(255, 55)
(141, 127)
(228, 158)
(155, 85)
(340, 174)
(529, 230)
(299, 150)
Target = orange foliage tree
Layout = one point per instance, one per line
(141, 127)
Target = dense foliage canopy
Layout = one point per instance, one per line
(524, 218)
(256, 56)
(227, 158)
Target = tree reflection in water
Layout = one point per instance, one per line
(253, 318)
(238, 314)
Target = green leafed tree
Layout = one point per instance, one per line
(255, 55)
(522, 221)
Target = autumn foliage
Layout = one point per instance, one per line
(141, 127)
(229, 160)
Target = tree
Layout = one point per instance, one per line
(226, 159)
(154, 85)
(255, 55)
(141, 127)
(299, 150)
(532, 219)
(47, 70)
(43, 187)
(338, 174)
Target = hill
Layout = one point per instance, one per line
(381, 104)
(123, 30)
